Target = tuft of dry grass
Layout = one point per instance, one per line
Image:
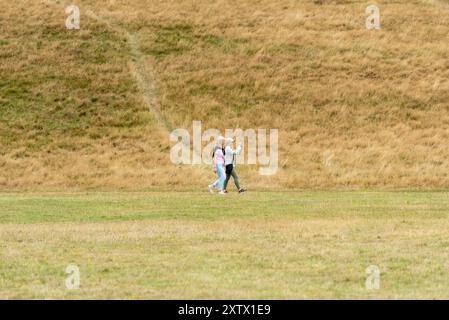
(376, 102)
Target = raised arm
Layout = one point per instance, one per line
(234, 151)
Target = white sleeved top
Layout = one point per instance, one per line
(231, 153)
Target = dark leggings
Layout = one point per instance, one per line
(235, 177)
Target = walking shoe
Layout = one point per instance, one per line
(225, 191)
(211, 188)
(242, 190)
(222, 193)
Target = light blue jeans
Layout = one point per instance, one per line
(221, 176)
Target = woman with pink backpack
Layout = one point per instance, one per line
(218, 156)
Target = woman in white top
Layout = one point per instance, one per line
(230, 162)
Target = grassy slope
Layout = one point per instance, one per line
(265, 245)
(70, 111)
(376, 102)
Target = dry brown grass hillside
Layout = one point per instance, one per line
(92, 108)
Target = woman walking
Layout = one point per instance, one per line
(219, 162)
(230, 163)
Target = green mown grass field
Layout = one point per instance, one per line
(189, 245)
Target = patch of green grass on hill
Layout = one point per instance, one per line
(68, 86)
(179, 38)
